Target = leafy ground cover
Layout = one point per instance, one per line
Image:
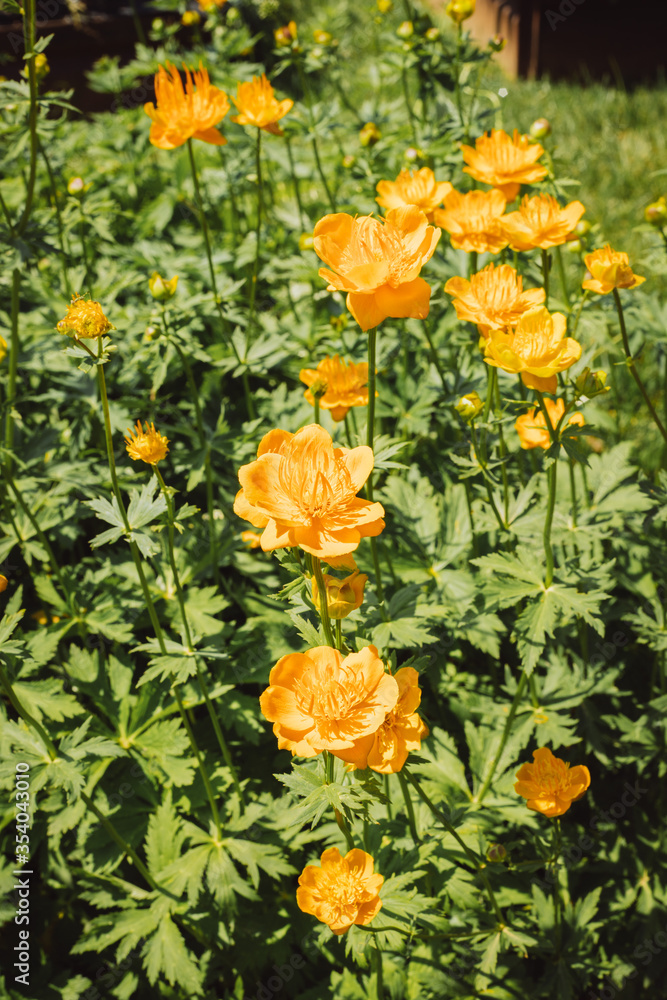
(435, 574)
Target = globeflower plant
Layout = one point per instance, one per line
(536, 348)
(189, 112)
(541, 222)
(146, 444)
(493, 298)
(473, 220)
(258, 105)
(532, 426)
(609, 269)
(84, 320)
(418, 188)
(504, 162)
(550, 785)
(346, 385)
(341, 891)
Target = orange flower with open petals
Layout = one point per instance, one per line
(378, 263)
(345, 385)
(541, 222)
(493, 298)
(387, 749)
(303, 492)
(419, 188)
(472, 220)
(609, 269)
(532, 427)
(146, 445)
(320, 700)
(342, 891)
(536, 348)
(182, 114)
(259, 106)
(503, 162)
(549, 784)
(84, 320)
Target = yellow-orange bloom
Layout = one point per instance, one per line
(146, 445)
(320, 700)
(609, 269)
(460, 10)
(532, 427)
(549, 784)
(3, 348)
(259, 106)
(345, 385)
(343, 891)
(387, 749)
(343, 596)
(536, 348)
(473, 220)
(208, 5)
(3, 582)
(493, 298)
(286, 34)
(418, 188)
(251, 539)
(541, 222)
(303, 492)
(84, 319)
(182, 114)
(503, 162)
(378, 263)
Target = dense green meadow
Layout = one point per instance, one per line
(277, 639)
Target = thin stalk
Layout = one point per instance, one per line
(545, 276)
(222, 743)
(379, 981)
(370, 440)
(387, 792)
(339, 635)
(630, 362)
(578, 316)
(322, 595)
(552, 472)
(408, 103)
(573, 493)
(13, 368)
(258, 232)
(29, 40)
(25, 715)
(563, 279)
(434, 354)
(295, 182)
(316, 409)
(503, 740)
(502, 448)
(313, 140)
(59, 221)
(457, 71)
(472, 263)
(556, 852)
(487, 480)
(409, 808)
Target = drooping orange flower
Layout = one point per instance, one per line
(472, 220)
(503, 162)
(378, 263)
(343, 891)
(259, 106)
(418, 188)
(541, 222)
(182, 114)
(346, 385)
(343, 596)
(303, 492)
(146, 445)
(609, 269)
(387, 749)
(320, 700)
(532, 427)
(84, 320)
(549, 784)
(493, 298)
(536, 347)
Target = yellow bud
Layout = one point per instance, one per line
(405, 30)
(285, 35)
(349, 161)
(343, 596)
(369, 134)
(76, 186)
(190, 17)
(306, 241)
(3, 348)
(161, 289)
(656, 212)
(384, 6)
(322, 37)
(540, 129)
(3, 582)
(432, 34)
(496, 852)
(318, 388)
(591, 384)
(460, 10)
(469, 406)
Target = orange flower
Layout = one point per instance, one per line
(345, 385)
(387, 749)
(319, 700)
(532, 429)
(503, 162)
(493, 298)
(378, 263)
(251, 539)
(303, 492)
(343, 891)
(208, 5)
(3, 582)
(609, 269)
(537, 348)
(472, 220)
(186, 114)
(549, 784)
(84, 320)
(343, 596)
(146, 445)
(419, 188)
(541, 222)
(258, 105)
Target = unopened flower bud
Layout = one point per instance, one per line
(384, 6)
(582, 227)
(306, 241)
(369, 134)
(460, 10)
(469, 406)
(322, 37)
(497, 43)
(285, 35)
(343, 596)
(349, 161)
(318, 388)
(3, 582)
(157, 25)
(76, 186)
(405, 30)
(412, 155)
(160, 288)
(496, 852)
(190, 17)
(432, 34)
(574, 246)
(540, 129)
(591, 383)
(656, 213)
(150, 332)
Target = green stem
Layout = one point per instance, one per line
(487, 479)
(578, 316)
(13, 368)
(313, 140)
(457, 71)
(502, 448)
(573, 493)
(339, 635)
(258, 232)
(409, 808)
(552, 472)
(503, 740)
(472, 263)
(316, 409)
(563, 279)
(556, 852)
(295, 182)
(25, 715)
(322, 596)
(630, 362)
(434, 354)
(59, 221)
(379, 981)
(545, 276)
(29, 40)
(370, 440)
